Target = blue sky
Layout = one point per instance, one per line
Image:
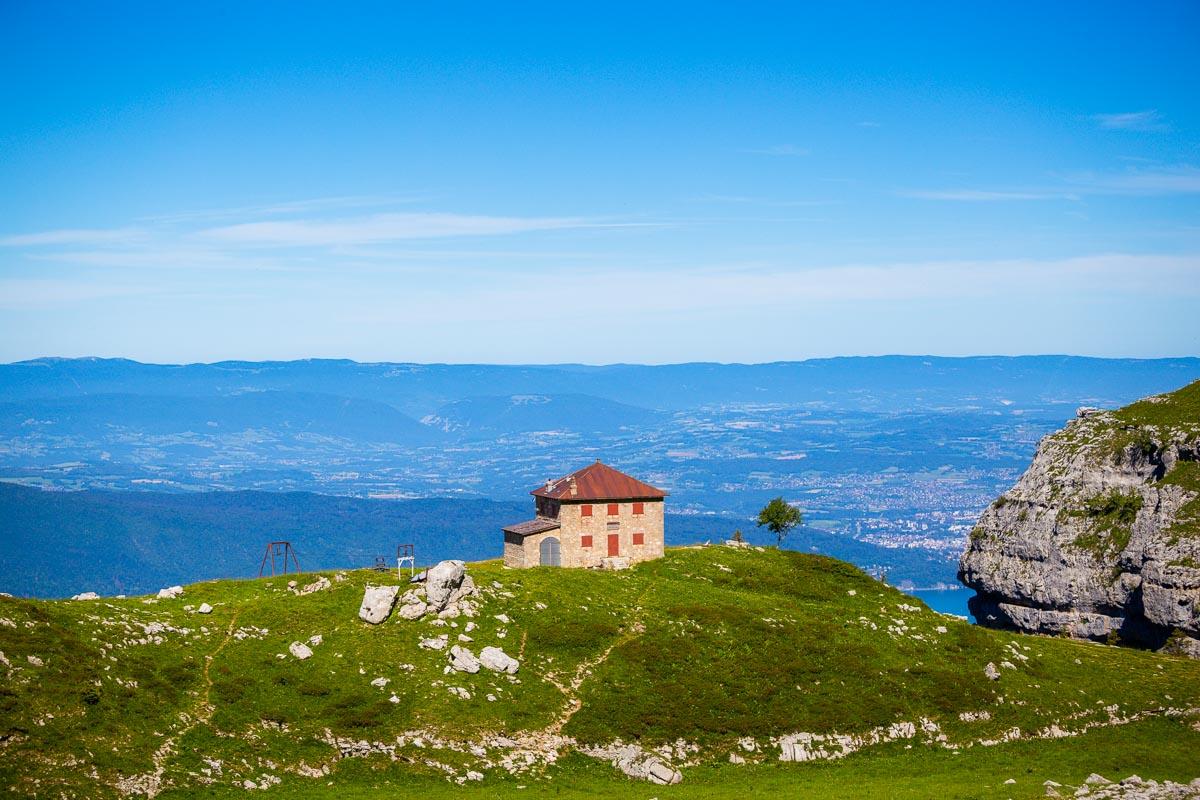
(555, 183)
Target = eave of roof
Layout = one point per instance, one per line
(532, 526)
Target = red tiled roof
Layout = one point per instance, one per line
(598, 482)
(538, 525)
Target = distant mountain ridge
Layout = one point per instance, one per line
(867, 383)
(294, 412)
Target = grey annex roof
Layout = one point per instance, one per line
(529, 527)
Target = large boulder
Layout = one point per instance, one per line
(170, 593)
(497, 660)
(441, 581)
(463, 660)
(377, 603)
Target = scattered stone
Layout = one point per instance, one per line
(35, 661)
(204, 608)
(463, 660)
(436, 643)
(316, 639)
(377, 603)
(1096, 779)
(86, 596)
(459, 691)
(991, 672)
(503, 618)
(170, 593)
(300, 650)
(497, 660)
(320, 584)
(380, 682)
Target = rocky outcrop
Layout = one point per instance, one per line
(1100, 538)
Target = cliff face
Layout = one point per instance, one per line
(1101, 535)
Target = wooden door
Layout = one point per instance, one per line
(550, 553)
(614, 544)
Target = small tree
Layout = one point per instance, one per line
(779, 517)
(737, 536)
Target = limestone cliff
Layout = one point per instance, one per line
(1100, 538)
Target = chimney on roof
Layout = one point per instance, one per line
(549, 484)
(574, 488)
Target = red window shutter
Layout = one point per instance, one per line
(639, 508)
(613, 509)
(585, 541)
(639, 538)
(585, 510)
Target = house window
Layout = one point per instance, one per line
(614, 526)
(639, 508)
(585, 511)
(613, 509)
(585, 541)
(639, 538)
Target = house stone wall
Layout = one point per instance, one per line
(525, 551)
(574, 526)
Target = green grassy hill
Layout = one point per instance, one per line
(707, 657)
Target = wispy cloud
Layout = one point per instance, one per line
(1134, 181)
(987, 195)
(83, 236)
(784, 150)
(308, 206)
(736, 199)
(1177, 179)
(382, 228)
(1149, 120)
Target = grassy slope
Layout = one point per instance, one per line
(706, 645)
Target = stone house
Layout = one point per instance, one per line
(595, 517)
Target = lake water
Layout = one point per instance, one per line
(947, 601)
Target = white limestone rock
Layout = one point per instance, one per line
(300, 650)
(463, 660)
(377, 603)
(413, 610)
(441, 581)
(204, 608)
(497, 660)
(319, 585)
(170, 593)
(86, 596)
(1041, 562)
(637, 763)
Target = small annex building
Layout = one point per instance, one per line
(595, 517)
